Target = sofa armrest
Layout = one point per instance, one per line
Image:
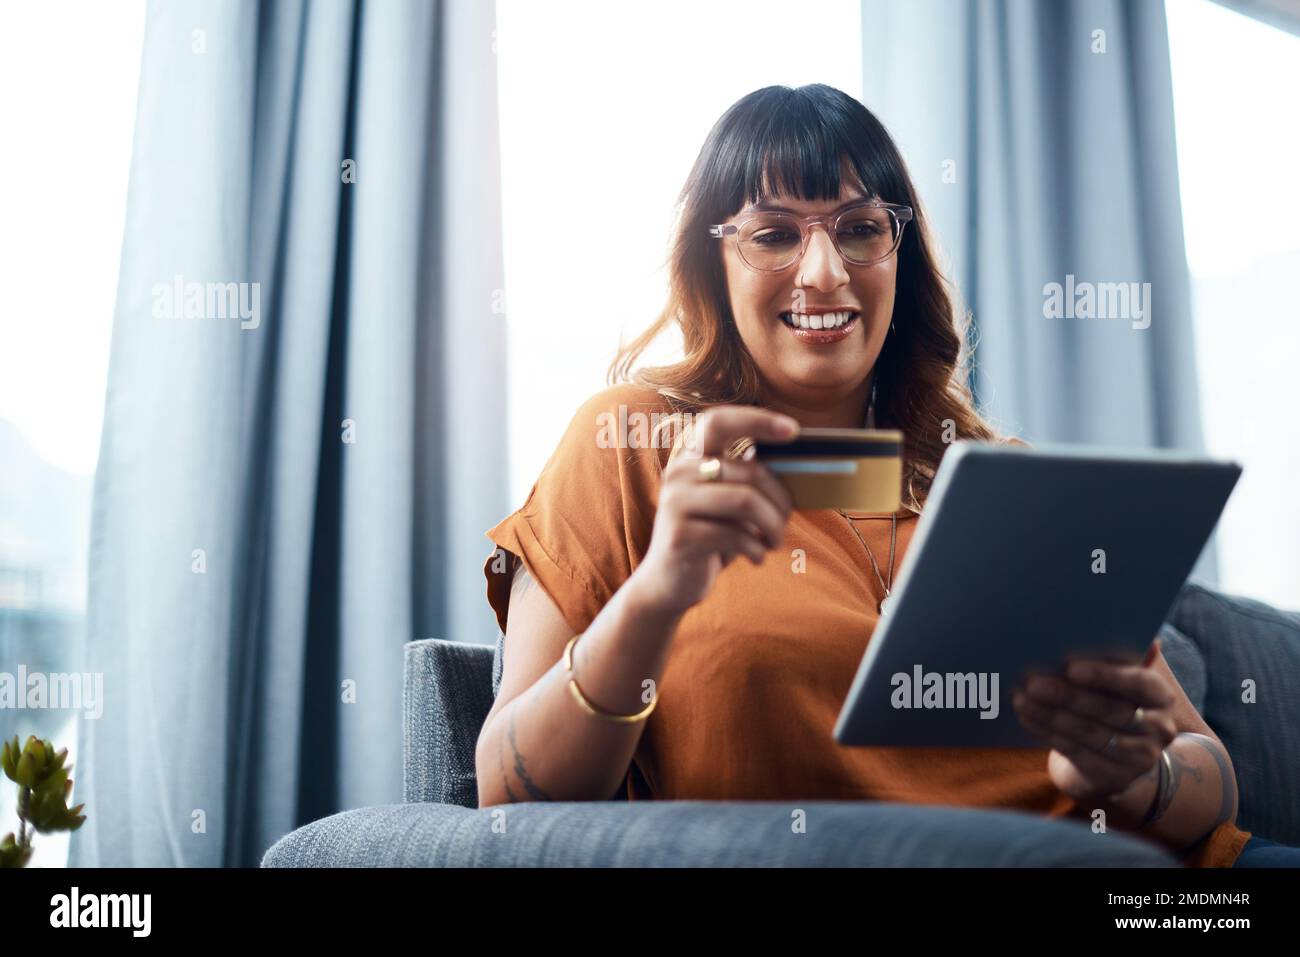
(446, 696)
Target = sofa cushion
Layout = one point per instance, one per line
(1186, 663)
(704, 834)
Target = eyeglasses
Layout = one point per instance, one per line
(863, 234)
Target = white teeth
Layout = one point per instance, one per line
(826, 320)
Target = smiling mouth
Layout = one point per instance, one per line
(825, 320)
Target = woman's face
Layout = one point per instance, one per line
(813, 373)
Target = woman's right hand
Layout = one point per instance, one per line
(701, 526)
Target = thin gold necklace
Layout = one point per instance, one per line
(893, 539)
(870, 423)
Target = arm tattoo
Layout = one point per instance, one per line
(1182, 767)
(505, 778)
(1227, 798)
(535, 791)
(521, 583)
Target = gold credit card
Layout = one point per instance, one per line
(858, 470)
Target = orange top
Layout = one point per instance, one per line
(758, 671)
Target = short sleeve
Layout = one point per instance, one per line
(1220, 848)
(585, 524)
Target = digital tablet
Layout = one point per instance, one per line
(1022, 559)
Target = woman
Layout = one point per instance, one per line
(804, 298)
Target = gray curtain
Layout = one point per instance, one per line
(1041, 138)
(278, 508)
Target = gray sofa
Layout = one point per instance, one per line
(1214, 642)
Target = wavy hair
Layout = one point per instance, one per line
(803, 141)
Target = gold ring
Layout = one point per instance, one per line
(711, 469)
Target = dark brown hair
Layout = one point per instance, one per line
(803, 142)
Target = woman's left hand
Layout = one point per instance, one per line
(1101, 743)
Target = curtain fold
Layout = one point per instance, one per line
(1041, 138)
(285, 494)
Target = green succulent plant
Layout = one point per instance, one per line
(43, 791)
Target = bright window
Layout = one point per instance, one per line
(603, 110)
(1235, 81)
(69, 70)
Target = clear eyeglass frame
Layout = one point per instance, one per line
(900, 214)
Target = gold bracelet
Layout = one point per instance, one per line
(587, 705)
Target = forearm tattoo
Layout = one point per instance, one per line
(1183, 768)
(505, 777)
(518, 587)
(535, 790)
(1227, 793)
